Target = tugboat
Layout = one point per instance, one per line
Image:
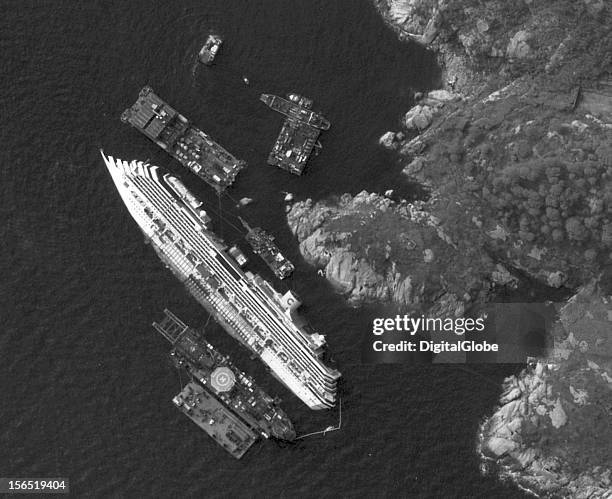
(209, 49)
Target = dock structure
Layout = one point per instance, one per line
(175, 134)
(299, 134)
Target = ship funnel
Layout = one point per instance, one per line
(290, 301)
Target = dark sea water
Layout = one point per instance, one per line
(85, 382)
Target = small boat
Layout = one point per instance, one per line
(245, 80)
(209, 49)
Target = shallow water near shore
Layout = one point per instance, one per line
(87, 386)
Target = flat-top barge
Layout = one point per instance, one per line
(174, 133)
(215, 419)
(299, 133)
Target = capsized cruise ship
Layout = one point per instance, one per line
(246, 305)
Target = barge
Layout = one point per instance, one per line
(175, 134)
(299, 134)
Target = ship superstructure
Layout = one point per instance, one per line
(175, 134)
(246, 305)
(220, 377)
(299, 133)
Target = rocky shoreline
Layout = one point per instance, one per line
(520, 144)
(552, 431)
(376, 250)
(516, 153)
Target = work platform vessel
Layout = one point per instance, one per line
(246, 305)
(299, 133)
(263, 245)
(175, 134)
(221, 424)
(219, 376)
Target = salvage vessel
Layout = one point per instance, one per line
(221, 424)
(244, 304)
(299, 133)
(263, 245)
(176, 135)
(217, 373)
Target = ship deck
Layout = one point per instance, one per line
(296, 111)
(237, 391)
(264, 246)
(194, 149)
(152, 116)
(215, 419)
(293, 146)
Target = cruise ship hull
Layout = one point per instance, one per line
(245, 305)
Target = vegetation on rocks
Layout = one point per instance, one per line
(527, 151)
(520, 167)
(516, 153)
(552, 430)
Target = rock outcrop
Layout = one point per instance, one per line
(388, 140)
(419, 117)
(373, 249)
(553, 428)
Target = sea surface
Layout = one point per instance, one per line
(85, 382)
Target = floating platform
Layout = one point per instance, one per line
(215, 419)
(209, 50)
(299, 134)
(171, 131)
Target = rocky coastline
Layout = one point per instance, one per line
(515, 151)
(516, 154)
(521, 138)
(553, 428)
(375, 250)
